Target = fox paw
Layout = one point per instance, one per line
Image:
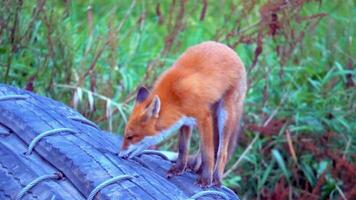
(216, 180)
(203, 182)
(216, 183)
(175, 170)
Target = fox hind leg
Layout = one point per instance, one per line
(205, 126)
(229, 118)
(220, 117)
(234, 138)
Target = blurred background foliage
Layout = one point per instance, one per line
(298, 137)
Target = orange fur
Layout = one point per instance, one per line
(203, 75)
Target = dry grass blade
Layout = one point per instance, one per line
(243, 155)
(290, 145)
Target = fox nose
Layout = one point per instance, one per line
(123, 146)
(123, 154)
(122, 151)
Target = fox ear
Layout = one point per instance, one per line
(142, 94)
(154, 107)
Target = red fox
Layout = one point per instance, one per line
(206, 88)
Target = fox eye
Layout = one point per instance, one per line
(131, 137)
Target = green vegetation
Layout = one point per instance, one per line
(299, 129)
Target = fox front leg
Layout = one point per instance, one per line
(183, 147)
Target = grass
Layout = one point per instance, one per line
(298, 139)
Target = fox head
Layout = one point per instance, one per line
(143, 119)
(141, 129)
(148, 125)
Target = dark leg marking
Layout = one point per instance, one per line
(183, 150)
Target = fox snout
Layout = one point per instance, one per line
(132, 150)
(124, 145)
(123, 152)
